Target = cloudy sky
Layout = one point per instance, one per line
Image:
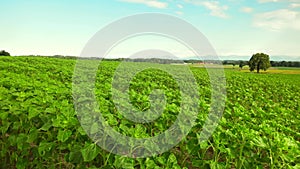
(234, 27)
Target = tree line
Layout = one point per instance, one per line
(285, 63)
(4, 53)
(242, 63)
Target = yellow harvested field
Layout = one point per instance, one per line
(278, 71)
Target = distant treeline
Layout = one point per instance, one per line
(285, 64)
(239, 63)
(273, 63)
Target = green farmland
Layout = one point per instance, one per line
(39, 128)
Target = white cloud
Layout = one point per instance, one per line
(216, 9)
(265, 1)
(247, 9)
(150, 3)
(294, 5)
(278, 20)
(214, 6)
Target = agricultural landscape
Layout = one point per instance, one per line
(39, 126)
(150, 84)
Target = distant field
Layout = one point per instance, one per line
(287, 68)
(278, 70)
(272, 70)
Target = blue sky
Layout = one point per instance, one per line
(234, 27)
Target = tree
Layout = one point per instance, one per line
(241, 65)
(4, 53)
(259, 61)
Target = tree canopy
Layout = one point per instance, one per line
(242, 64)
(4, 53)
(259, 61)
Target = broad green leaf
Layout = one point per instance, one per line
(32, 113)
(44, 147)
(81, 131)
(4, 127)
(63, 135)
(46, 126)
(89, 152)
(75, 157)
(172, 159)
(32, 135)
(21, 140)
(150, 163)
(3, 115)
